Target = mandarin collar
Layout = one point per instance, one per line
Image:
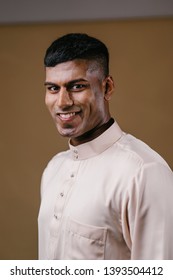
(97, 145)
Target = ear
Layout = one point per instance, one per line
(109, 88)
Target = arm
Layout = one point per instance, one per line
(149, 213)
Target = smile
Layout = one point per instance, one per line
(67, 116)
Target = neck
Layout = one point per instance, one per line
(91, 134)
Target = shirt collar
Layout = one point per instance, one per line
(97, 145)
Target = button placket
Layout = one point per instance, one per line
(63, 193)
(58, 210)
(74, 170)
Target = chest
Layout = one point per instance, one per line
(88, 191)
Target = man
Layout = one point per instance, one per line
(110, 195)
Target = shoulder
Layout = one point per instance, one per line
(149, 177)
(59, 157)
(136, 151)
(130, 158)
(148, 172)
(54, 165)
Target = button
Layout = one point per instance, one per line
(58, 216)
(61, 194)
(75, 151)
(76, 156)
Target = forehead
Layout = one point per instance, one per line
(72, 70)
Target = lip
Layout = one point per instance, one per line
(67, 116)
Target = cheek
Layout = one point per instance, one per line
(88, 99)
(46, 100)
(49, 101)
(96, 101)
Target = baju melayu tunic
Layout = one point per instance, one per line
(107, 199)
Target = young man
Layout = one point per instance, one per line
(110, 195)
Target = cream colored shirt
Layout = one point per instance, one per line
(110, 198)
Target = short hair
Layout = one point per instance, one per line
(77, 46)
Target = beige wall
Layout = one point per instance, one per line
(142, 66)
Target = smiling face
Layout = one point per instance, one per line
(77, 96)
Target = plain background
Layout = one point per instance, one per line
(141, 56)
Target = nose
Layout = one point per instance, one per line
(64, 99)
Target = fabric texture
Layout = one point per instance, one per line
(110, 198)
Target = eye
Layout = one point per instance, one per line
(52, 89)
(78, 87)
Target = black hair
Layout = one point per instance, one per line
(77, 46)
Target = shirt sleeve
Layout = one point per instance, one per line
(148, 213)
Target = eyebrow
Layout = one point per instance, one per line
(66, 84)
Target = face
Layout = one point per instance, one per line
(77, 97)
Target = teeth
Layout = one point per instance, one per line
(67, 116)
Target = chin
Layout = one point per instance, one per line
(67, 132)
